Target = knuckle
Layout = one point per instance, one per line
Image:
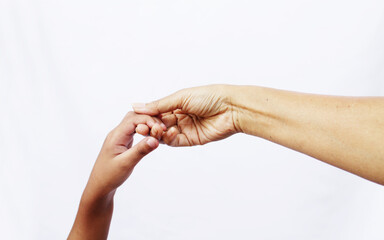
(107, 145)
(110, 136)
(129, 114)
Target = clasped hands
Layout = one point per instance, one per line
(316, 125)
(189, 117)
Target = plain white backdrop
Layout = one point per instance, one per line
(69, 71)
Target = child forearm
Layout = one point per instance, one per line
(113, 166)
(93, 218)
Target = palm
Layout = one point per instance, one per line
(198, 131)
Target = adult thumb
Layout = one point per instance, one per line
(166, 104)
(133, 155)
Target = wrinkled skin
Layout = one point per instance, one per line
(194, 116)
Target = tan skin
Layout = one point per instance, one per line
(113, 166)
(346, 132)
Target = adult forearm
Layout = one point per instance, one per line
(346, 132)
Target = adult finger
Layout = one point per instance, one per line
(167, 104)
(169, 135)
(175, 139)
(169, 119)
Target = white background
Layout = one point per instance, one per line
(69, 71)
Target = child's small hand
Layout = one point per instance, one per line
(117, 157)
(113, 166)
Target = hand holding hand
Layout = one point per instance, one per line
(194, 116)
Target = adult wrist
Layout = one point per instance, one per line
(232, 95)
(250, 109)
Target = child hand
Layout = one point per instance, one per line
(113, 166)
(117, 157)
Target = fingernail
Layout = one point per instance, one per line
(138, 105)
(152, 142)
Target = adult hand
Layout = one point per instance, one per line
(194, 116)
(346, 132)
